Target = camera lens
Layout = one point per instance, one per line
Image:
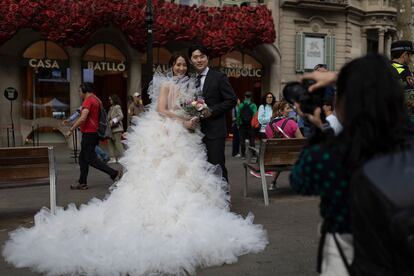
(293, 91)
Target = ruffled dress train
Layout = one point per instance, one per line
(168, 214)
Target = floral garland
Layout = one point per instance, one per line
(72, 22)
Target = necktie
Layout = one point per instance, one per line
(198, 83)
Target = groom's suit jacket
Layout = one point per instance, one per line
(220, 98)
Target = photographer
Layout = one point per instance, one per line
(370, 107)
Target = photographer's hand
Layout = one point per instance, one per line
(322, 79)
(315, 118)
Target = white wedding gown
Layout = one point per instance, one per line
(168, 214)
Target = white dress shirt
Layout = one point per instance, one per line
(203, 77)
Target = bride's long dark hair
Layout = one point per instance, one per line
(173, 60)
(374, 117)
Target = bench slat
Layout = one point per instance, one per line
(24, 160)
(23, 152)
(24, 171)
(23, 183)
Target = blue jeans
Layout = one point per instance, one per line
(101, 153)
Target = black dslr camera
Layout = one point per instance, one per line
(296, 92)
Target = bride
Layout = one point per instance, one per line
(168, 214)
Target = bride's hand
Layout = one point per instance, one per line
(192, 123)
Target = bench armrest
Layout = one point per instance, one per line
(256, 151)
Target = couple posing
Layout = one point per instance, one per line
(169, 212)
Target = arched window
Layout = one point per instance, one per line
(244, 72)
(106, 67)
(46, 93)
(161, 57)
(236, 64)
(103, 59)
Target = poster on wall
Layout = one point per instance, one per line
(314, 52)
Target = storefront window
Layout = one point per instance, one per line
(106, 67)
(46, 94)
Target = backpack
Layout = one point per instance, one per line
(246, 115)
(277, 133)
(382, 204)
(104, 129)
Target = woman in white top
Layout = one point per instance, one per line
(265, 113)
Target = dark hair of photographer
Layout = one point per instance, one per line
(370, 106)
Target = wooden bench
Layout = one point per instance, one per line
(28, 166)
(273, 155)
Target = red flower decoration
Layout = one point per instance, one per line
(71, 23)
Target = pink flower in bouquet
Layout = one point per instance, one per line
(200, 105)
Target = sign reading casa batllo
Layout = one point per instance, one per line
(93, 65)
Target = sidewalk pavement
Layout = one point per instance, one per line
(290, 220)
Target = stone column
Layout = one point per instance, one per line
(381, 33)
(11, 74)
(388, 42)
(363, 42)
(134, 72)
(75, 63)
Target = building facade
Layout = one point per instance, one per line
(47, 75)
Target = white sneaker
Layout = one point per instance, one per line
(255, 174)
(112, 160)
(272, 187)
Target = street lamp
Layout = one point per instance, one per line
(149, 20)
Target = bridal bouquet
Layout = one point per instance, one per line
(195, 107)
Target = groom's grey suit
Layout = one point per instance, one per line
(220, 98)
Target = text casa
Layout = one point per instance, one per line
(43, 63)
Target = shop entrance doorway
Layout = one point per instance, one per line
(110, 84)
(105, 66)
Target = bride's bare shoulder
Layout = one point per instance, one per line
(165, 87)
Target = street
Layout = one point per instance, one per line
(290, 220)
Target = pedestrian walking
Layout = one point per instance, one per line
(246, 111)
(115, 117)
(99, 151)
(235, 130)
(88, 123)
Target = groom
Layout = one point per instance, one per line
(219, 96)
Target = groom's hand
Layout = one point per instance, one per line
(206, 113)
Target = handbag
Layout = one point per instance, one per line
(255, 121)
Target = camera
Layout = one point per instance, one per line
(297, 92)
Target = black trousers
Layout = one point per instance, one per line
(246, 132)
(88, 157)
(236, 140)
(215, 153)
